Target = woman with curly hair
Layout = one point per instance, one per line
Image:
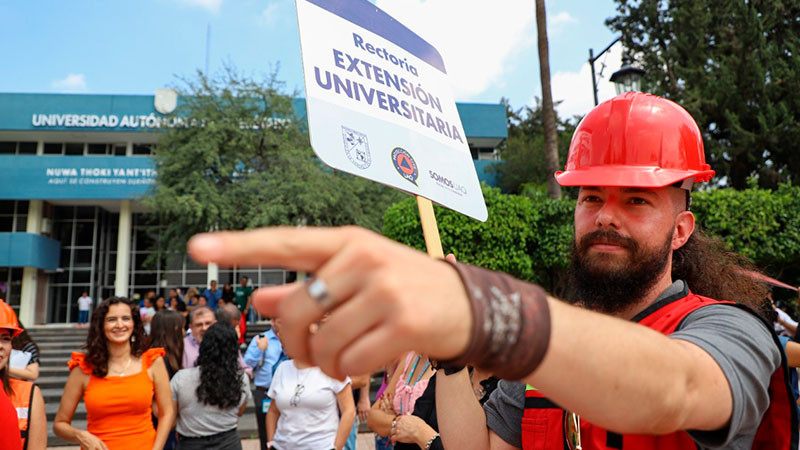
(211, 396)
(118, 380)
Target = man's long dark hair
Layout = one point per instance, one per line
(96, 346)
(711, 270)
(218, 361)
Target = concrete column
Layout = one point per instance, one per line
(27, 303)
(123, 249)
(213, 274)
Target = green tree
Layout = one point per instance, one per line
(523, 155)
(527, 237)
(243, 160)
(735, 66)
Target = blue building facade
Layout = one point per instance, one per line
(75, 169)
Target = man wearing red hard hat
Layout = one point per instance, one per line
(663, 349)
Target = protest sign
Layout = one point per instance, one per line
(380, 106)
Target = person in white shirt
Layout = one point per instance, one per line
(147, 312)
(309, 410)
(84, 306)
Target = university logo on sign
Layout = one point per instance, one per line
(356, 147)
(165, 101)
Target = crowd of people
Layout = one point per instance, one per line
(666, 344)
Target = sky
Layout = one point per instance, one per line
(111, 47)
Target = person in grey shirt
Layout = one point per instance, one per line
(210, 397)
(741, 346)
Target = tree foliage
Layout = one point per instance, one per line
(529, 235)
(525, 237)
(735, 66)
(244, 161)
(523, 156)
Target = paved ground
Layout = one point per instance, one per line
(366, 441)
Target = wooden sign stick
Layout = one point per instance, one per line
(433, 243)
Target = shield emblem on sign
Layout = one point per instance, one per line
(166, 100)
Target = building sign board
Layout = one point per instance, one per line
(74, 178)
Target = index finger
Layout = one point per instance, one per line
(303, 249)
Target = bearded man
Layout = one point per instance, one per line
(661, 350)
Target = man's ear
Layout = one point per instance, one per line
(684, 227)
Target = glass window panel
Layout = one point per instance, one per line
(81, 276)
(22, 223)
(62, 232)
(84, 233)
(174, 278)
(119, 150)
(271, 277)
(27, 148)
(63, 212)
(145, 238)
(142, 149)
(61, 277)
(73, 149)
(85, 212)
(6, 224)
(192, 265)
(252, 274)
(225, 276)
(175, 261)
(139, 259)
(22, 207)
(8, 147)
(83, 258)
(112, 261)
(53, 149)
(196, 279)
(65, 258)
(97, 149)
(146, 278)
(6, 206)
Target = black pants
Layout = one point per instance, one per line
(261, 418)
(227, 440)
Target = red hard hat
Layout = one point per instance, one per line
(635, 140)
(8, 319)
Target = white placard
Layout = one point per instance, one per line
(380, 106)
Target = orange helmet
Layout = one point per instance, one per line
(8, 319)
(635, 140)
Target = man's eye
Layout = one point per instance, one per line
(637, 201)
(591, 199)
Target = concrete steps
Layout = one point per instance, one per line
(56, 342)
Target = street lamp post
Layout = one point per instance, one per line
(627, 78)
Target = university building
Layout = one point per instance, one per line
(75, 169)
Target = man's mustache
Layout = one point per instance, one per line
(609, 237)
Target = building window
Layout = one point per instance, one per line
(53, 149)
(73, 149)
(13, 216)
(8, 148)
(27, 148)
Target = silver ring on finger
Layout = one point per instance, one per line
(318, 290)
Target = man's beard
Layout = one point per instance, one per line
(610, 286)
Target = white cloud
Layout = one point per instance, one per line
(477, 39)
(574, 89)
(73, 83)
(211, 5)
(269, 15)
(562, 18)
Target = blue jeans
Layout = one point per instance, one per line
(351, 440)
(252, 317)
(83, 316)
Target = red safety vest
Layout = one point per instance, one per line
(22, 399)
(544, 423)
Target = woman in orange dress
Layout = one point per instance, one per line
(117, 380)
